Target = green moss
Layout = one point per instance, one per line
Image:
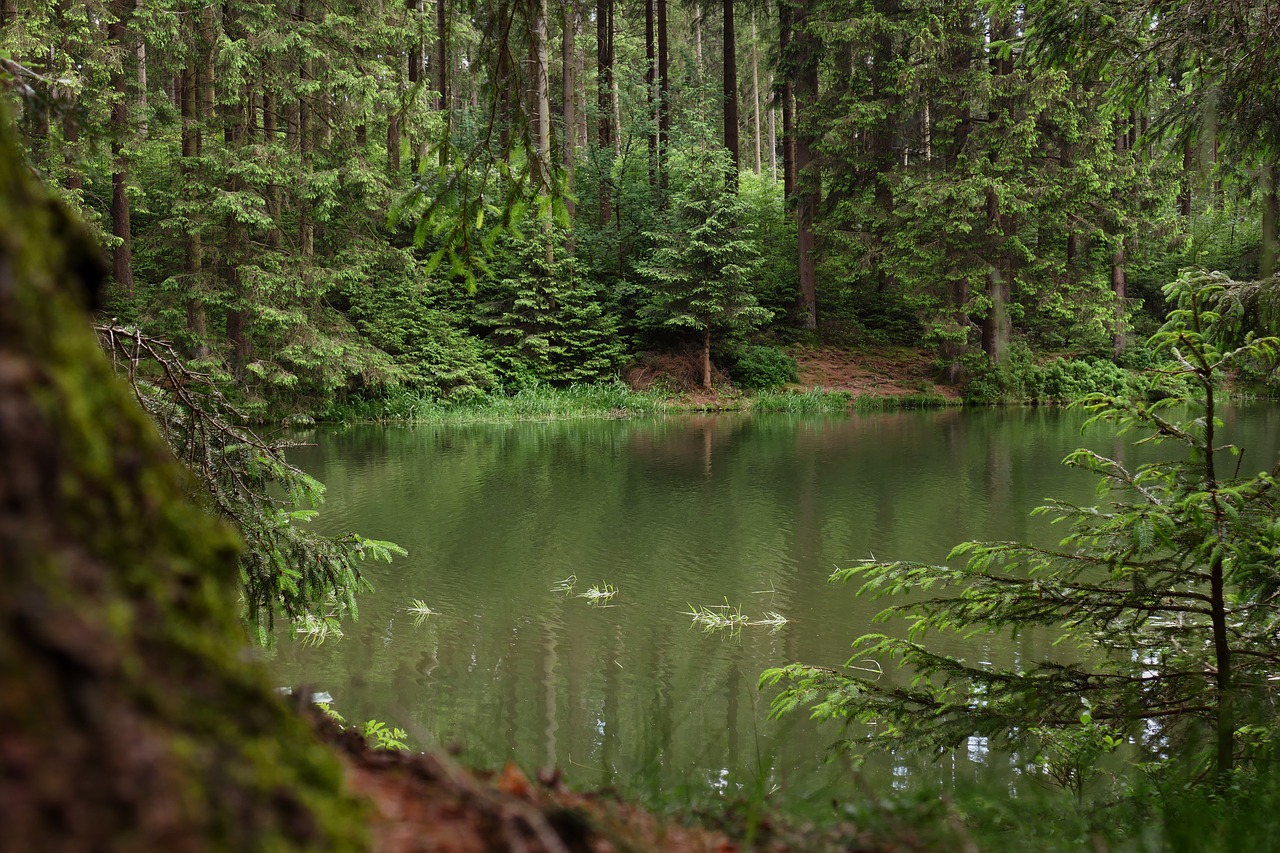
(121, 650)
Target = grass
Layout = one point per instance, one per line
(870, 403)
(599, 595)
(730, 618)
(421, 612)
(812, 402)
(538, 402)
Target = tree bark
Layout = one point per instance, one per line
(786, 94)
(569, 98)
(731, 93)
(664, 96)
(1269, 254)
(755, 91)
(120, 134)
(119, 628)
(604, 99)
(651, 94)
(808, 181)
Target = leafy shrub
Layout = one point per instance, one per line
(764, 368)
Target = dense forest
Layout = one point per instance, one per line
(349, 199)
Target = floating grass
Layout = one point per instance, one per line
(565, 586)
(730, 618)
(599, 595)
(421, 612)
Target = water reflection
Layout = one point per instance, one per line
(704, 510)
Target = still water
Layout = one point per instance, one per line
(750, 511)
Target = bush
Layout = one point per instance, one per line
(764, 368)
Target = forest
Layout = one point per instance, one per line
(325, 203)
(302, 211)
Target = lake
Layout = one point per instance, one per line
(753, 512)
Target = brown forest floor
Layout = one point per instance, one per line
(888, 372)
(428, 802)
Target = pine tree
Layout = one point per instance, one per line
(1166, 592)
(700, 272)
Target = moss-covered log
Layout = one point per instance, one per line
(129, 717)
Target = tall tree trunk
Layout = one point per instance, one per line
(755, 91)
(786, 94)
(70, 122)
(140, 108)
(193, 262)
(731, 92)
(651, 93)
(1269, 256)
(664, 95)
(706, 358)
(120, 134)
(1119, 287)
(996, 326)
(542, 96)
(441, 74)
(808, 184)
(569, 98)
(604, 99)
(699, 11)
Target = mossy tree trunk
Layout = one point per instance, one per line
(129, 718)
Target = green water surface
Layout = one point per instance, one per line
(752, 511)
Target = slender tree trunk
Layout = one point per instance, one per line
(1188, 170)
(569, 98)
(755, 91)
(441, 73)
(1119, 287)
(120, 134)
(542, 95)
(193, 263)
(786, 93)
(664, 96)
(1270, 251)
(698, 64)
(731, 93)
(70, 122)
(140, 108)
(604, 100)
(651, 93)
(996, 326)
(706, 358)
(807, 179)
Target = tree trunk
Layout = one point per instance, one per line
(1119, 287)
(706, 358)
(664, 96)
(1270, 251)
(651, 93)
(569, 99)
(787, 70)
(120, 134)
(441, 74)
(193, 264)
(808, 182)
(119, 625)
(731, 93)
(604, 98)
(755, 91)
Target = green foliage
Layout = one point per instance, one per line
(285, 570)
(1165, 594)
(760, 368)
(813, 401)
(700, 271)
(1022, 378)
(544, 321)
